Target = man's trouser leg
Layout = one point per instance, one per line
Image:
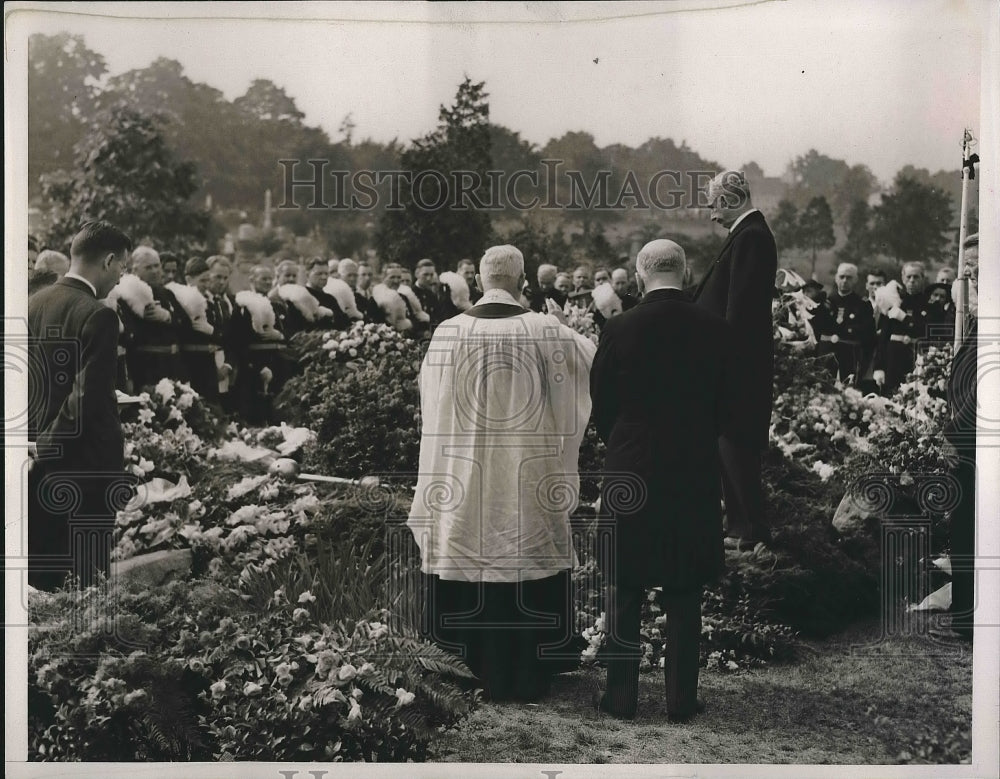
(742, 489)
(623, 652)
(963, 550)
(682, 651)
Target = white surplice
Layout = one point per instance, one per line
(505, 402)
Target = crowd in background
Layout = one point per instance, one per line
(226, 329)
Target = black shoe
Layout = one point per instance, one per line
(699, 707)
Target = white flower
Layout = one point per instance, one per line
(245, 485)
(404, 698)
(145, 465)
(306, 703)
(307, 597)
(300, 615)
(365, 669)
(218, 689)
(185, 401)
(146, 415)
(347, 672)
(732, 666)
(165, 389)
(377, 630)
(355, 713)
(357, 694)
(251, 688)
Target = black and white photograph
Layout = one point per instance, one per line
(534, 389)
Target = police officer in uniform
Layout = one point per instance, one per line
(844, 326)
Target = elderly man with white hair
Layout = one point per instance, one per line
(739, 287)
(52, 261)
(663, 393)
(546, 289)
(504, 406)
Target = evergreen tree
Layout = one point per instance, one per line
(432, 220)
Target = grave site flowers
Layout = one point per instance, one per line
(285, 643)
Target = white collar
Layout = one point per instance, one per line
(78, 277)
(741, 217)
(497, 296)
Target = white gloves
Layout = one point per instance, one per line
(879, 377)
(896, 313)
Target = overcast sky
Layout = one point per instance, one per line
(882, 83)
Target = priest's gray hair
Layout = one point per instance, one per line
(847, 267)
(501, 262)
(660, 256)
(733, 186)
(914, 264)
(346, 265)
(51, 260)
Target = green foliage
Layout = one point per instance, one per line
(860, 240)
(913, 222)
(366, 413)
(123, 172)
(201, 672)
(62, 86)
(785, 225)
(452, 230)
(816, 227)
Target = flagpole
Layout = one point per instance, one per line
(962, 304)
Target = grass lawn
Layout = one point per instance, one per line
(849, 699)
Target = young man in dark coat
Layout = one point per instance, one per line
(76, 477)
(739, 287)
(662, 393)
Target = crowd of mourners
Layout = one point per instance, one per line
(227, 330)
(874, 336)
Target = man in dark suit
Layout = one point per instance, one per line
(154, 338)
(316, 278)
(423, 287)
(739, 287)
(467, 270)
(844, 326)
(545, 290)
(661, 391)
(76, 479)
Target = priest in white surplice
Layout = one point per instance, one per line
(505, 401)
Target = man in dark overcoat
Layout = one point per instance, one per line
(76, 482)
(739, 287)
(661, 395)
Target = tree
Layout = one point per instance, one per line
(913, 222)
(816, 228)
(858, 183)
(786, 226)
(267, 101)
(123, 172)
(63, 77)
(430, 223)
(860, 242)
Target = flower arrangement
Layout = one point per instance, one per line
(192, 673)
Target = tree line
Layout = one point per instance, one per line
(151, 149)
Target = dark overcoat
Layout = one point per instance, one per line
(661, 396)
(739, 287)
